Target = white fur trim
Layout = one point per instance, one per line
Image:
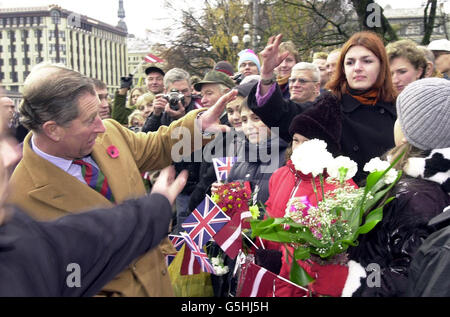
(415, 167)
(353, 282)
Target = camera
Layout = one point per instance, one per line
(238, 78)
(173, 97)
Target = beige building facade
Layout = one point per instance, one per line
(29, 36)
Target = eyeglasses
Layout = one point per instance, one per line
(301, 81)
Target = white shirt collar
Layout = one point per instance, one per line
(58, 161)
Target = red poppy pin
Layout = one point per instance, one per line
(113, 151)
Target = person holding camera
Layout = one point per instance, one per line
(174, 103)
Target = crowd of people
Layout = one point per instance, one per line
(80, 150)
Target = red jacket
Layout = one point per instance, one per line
(285, 183)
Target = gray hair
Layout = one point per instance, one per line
(51, 93)
(308, 66)
(176, 74)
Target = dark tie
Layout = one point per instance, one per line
(95, 179)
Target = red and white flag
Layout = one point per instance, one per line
(195, 254)
(256, 281)
(229, 238)
(150, 58)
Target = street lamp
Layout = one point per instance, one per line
(247, 38)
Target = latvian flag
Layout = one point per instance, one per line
(229, 238)
(204, 222)
(256, 281)
(195, 259)
(150, 58)
(222, 167)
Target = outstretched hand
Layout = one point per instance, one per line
(167, 185)
(209, 120)
(271, 57)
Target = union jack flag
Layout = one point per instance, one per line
(188, 267)
(222, 167)
(177, 242)
(205, 221)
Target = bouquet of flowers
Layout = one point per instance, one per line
(236, 197)
(323, 233)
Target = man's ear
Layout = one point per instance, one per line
(53, 131)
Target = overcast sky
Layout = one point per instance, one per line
(141, 15)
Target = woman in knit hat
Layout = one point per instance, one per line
(248, 63)
(422, 132)
(361, 89)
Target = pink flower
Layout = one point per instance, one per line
(113, 151)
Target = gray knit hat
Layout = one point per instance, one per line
(423, 109)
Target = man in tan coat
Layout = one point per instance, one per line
(60, 107)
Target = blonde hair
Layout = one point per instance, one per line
(320, 55)
(140, 89)
(145, 99)
(408, 149)
(136, 114)
(289, 46)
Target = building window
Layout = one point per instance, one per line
(13, 61)
(37, 33)
(56, 16)
(28, 20)
(24, 34)
(11, 48)
(26, 61)
(2, 75)
(14, 77)
(21, 21)
(12, 35)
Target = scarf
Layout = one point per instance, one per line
(435, 167)
(283, 80)
(365, 97)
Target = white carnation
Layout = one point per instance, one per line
(378, 165)
(311, 157)
(333, 169)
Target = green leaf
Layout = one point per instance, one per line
(299, 276)
(372, 219)
(302, 254)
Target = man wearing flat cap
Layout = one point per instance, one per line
(441, 51)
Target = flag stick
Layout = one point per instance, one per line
(249, 240)
(137, 67)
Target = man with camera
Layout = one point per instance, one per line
(174, 103)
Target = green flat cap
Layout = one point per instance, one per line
(215, 77)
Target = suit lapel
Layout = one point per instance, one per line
(56, 188)
(114, 169)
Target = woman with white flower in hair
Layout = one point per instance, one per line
(422, 133)
(295, 180)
